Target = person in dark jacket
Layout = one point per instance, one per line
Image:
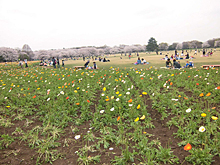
(176, 64)
(168, 63)
(54, 62)
(86, 64)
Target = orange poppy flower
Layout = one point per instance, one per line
(142, 78)
(201, 95)
(118, 118)
(34, 96)
(185, 98)
(88, 101)
(171, 83)
(218, 87)
(187, 147)
(188, 76)
(77, 103)
(130, 100)
(208, 94)
(59, 79)
(67, 98)
(197, 83)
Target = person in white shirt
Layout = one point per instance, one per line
(25, 61)
(144, 61)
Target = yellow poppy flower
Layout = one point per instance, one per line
(214, 118)
(137, 119)
(203, 115)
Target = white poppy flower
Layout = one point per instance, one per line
(202, 129)
(188, 110)
(77, 137)
(112, 109)
(153, 94)
(48, 99)
(167, 87)
(111, 149)
(117, 99)
(175, 99)
(102, 111)
(130, 105)
(62, 92)
(127, 93)
(129, 89)
(103, 94)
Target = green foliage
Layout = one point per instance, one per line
(152, 45)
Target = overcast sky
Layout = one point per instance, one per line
(50, 24)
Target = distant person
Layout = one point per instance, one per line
(62, 63)
(138, 61)
(188, 64)
(195, 52)
(86, 64)
(129, 56)
(25, 61)
(94, 65)
(176, 64)
(144, 61)
(21, 63)
(203, 52)
(168, 63)
(54, 62)
(104, 60)
(58, 63)
(187, 55)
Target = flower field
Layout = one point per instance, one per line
(115, 116)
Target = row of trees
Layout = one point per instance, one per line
(153, 46)
(9, 54)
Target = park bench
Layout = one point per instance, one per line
(79, 67)
(210, 66)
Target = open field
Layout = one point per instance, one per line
(155, 60)
(140, 115)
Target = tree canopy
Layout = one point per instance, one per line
(152, 45)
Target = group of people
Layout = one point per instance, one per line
(86, 65)
(53, 62)
(139, 61)
(176, 65)
(21, 63)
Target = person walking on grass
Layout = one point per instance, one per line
(58, 62)
(54, 62)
